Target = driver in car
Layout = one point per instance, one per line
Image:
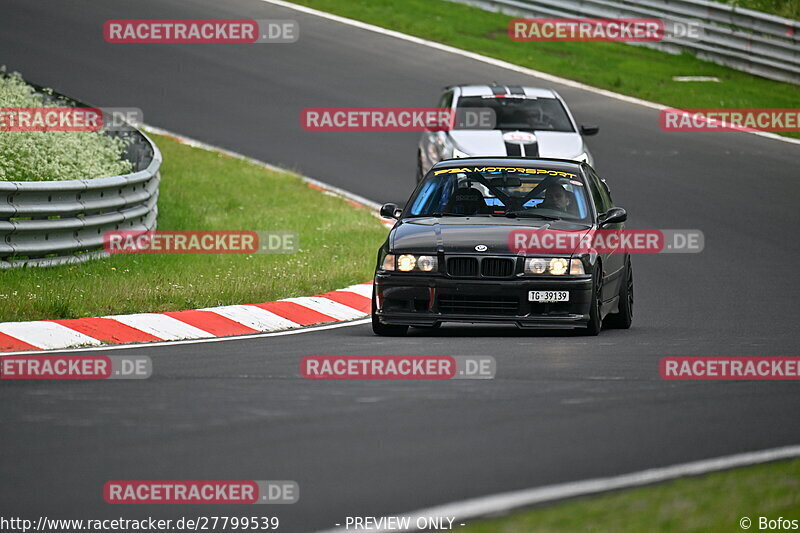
(557, 198)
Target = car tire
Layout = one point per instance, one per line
(595, 323)
(624, 318)
(384, 330)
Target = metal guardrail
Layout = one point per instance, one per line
(754, 42)
(48, 223)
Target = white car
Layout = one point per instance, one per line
(504, 120)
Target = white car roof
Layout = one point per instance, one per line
(488, 90)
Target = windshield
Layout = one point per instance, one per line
(521, 113)
(520, 192)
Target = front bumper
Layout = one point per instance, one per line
(418, 300)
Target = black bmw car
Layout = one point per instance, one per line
(454, 254)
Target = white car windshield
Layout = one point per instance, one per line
(520, 113)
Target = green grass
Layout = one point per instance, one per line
(622, 68)
(202, 190)
(708, 504)
(784, 8)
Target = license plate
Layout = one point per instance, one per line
(548, 296)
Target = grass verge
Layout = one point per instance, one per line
(711, 503)
(202, 190)
(622, 68)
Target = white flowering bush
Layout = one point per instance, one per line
(53, 155)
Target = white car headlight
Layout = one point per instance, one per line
(406, 263)
(554, 266)
(426, 263)
(410, 263)
(558, 266)
(537, 265)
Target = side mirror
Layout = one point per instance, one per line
(390, 211)
(589, 129)
(615, 215)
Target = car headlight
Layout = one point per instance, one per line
(555, 266)
(427, 263)
(558, 266)
(410, 263)
(537, 265)
(406, 263)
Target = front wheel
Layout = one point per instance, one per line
(624, 318)
(384, 330)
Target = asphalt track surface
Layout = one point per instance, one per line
(562, 408)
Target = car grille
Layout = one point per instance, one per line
(478, 305)
(463, 267)
(492, 267)
(485, 267)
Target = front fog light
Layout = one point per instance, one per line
(426, 263)
(405, 263)
(576, 267)
(536, 265)
(558, 266)
(388, 262)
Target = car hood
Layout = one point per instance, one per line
(462, 234)
(555, 144)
